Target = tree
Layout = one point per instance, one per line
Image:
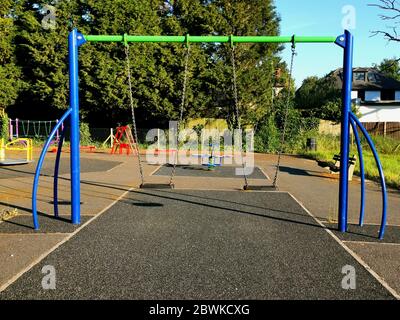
(392, 14)
(319, 97)
(157, 69)
(9, 71)
(211, 91)
(390, 68)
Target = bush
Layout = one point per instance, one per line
(298, 129)
(86, 138)
(267, 139)
(4, 129)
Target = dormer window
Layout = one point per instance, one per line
(359, 76)
(373, 77)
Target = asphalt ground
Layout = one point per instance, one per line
(202, 171)
(179, 244)
(48, 224)
(28, 170)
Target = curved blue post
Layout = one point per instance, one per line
(39, 168)
(362, 171)
(56, 171)
(381, 174)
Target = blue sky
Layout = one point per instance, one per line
(324, 18)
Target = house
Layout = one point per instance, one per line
(377, 98)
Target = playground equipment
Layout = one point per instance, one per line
(123, 140)
(77, 39)
(22, 145)
(212, 159)
(32, 128)
(110, 139)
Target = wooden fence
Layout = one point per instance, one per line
(386, 129)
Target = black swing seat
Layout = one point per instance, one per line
(260, 188)
(157, 186)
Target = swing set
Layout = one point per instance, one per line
(348, 119)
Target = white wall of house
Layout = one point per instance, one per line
(380, 113)
(372, 96)
(354, 95)
(397, 97)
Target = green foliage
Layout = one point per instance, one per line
(390, 68)
(267, 138)
(4, 126)
(86, 138)
(320, 98)
(157, 69)
(297, 129)
(388, 149)
(10, 73)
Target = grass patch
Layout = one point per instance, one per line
(388, 149)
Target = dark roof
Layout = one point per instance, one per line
(374, 80)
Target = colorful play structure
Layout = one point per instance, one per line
(32, 128)
(20, 145)
(212, 159)
(348, 120)
(123, 140)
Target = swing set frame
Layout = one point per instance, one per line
(348, 119)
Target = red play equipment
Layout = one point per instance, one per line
(124, 140)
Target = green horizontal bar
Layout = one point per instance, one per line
(210, 39)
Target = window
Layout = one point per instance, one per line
(374, 77)
(359, 76)
(372, 96)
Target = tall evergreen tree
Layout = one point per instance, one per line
(157, 69)
(10, 83)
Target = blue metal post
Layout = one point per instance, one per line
(74, 104)
(344, 150)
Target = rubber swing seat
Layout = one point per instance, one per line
(260, 188)
(156, 186)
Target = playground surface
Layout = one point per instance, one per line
(203, 240)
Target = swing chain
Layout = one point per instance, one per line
(183, 101)
(286, 115)
(237, 114)
(128, 69)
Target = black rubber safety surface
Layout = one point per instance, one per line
(202, 171)
(179, 244)
(48, 224)
(87, 165)
(367, 233)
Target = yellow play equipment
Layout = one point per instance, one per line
(21, 145)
